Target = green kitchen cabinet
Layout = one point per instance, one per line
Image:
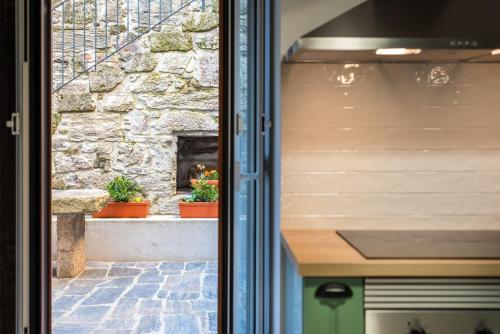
(336, 314)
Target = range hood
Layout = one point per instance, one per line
(406, 31)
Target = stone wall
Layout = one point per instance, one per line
(125, 117)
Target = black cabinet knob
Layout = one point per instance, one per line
(333, 290)
(484, 331)
(417, 330)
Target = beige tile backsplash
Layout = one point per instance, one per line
(390, 144)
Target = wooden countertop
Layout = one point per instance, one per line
(321, 252)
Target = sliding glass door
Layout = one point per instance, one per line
(248, 171)
(251, 238)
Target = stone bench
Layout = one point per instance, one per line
(70, 207)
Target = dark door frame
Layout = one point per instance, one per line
(8, 168)
(268, 300)
(39, 152)
(39, 189)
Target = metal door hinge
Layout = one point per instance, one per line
(14, 124)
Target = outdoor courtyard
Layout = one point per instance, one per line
(135, 110)
(142, 297)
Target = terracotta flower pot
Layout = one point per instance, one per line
(124, 210)
(199, 209)
(214, 182)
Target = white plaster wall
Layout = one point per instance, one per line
(156, 238)
(300, 16)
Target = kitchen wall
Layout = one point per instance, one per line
(385, 144)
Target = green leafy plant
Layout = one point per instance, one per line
(202, 191)
(123, 189)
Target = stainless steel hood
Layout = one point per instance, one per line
(406, 31)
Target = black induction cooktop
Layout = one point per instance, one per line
(425, 244)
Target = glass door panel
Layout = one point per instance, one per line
(247, 161)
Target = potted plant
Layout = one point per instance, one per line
(126, 200)
(209, 175)
(202, 203)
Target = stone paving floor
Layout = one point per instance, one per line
(143, 297)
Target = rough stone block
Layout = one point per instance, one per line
(115, 29)
(56, 118)
(201, 21)
(76, 102)
(118, 103)
(71, 205)
(70, 161)
(132, 159)
(170, 41)
(90, 127)
(136, 123)
(79, 11)
(105, 79)
(159, 83)
(176, 62)
(70, 244)
(215, 6)
(207, 69)
(179, 121)
(207, 99)
(142, 62)
(166, 204)
(208, 41)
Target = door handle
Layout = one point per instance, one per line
(14, 124)
(333, 290)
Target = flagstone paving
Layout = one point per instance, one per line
(142, 297)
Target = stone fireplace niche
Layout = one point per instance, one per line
(191, 151)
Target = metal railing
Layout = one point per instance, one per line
(86, 33)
